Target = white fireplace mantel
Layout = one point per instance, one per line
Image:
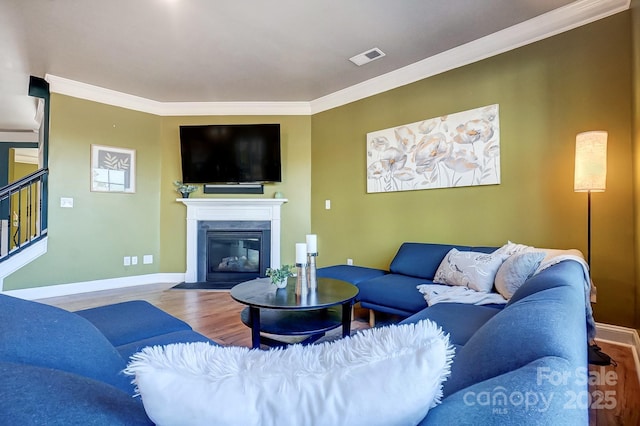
(237, 209)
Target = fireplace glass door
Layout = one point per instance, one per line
(234, 255)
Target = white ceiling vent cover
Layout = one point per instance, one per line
(368, 56)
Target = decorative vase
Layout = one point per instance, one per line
(302, 288)
(185, 194)
(281, 284)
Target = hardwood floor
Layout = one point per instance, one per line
(614, 391)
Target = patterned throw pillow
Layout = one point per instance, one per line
(516, 270)
(469, 269)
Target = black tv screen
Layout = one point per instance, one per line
(235, 153)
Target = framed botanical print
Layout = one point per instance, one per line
(113, 169)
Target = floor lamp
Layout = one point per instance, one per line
(591, 171)
(591, 176)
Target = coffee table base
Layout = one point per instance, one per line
(312, 323)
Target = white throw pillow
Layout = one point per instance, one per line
(516, 270)
(469, 269)
(512, 248)
(383, 376)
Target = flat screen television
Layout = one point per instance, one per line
(230, 153)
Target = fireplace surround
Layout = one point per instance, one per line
(228, 215)
(231, 252)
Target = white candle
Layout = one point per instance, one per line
(312, 243)
(301, 253)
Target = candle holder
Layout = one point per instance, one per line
(301, 280)
(313, 280)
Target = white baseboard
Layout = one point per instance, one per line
(621, 336)
(97, 285)
(618, 334)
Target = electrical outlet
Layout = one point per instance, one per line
(66, 202)
(349, 261)
(327, 204)
(134, 260)
(127, 261)
(147, 259)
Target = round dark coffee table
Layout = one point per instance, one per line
(282, 312)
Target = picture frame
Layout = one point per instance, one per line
(113, 169)
(453, 150)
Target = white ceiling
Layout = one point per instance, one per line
(248, 50)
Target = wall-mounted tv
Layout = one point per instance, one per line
(230, 153)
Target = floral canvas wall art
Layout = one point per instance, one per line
(461, 149)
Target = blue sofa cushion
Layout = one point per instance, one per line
(182, 336)
(397, 291)
(46, 336)
(386, 309)
(127, 322)
(32, 395)
(459, 320)
(526, 396)
(349, 273)
(554, 316)
(562, 274)
(569, 274)
(422, 259)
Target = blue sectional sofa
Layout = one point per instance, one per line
(520, 363)
(524, 362)
(394, 291)
(65, 368)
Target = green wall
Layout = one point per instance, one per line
(548, 92)
(89, 241)
(296, 180)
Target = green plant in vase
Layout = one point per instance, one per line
(184, 189)
(279, 276)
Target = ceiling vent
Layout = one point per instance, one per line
(368, 56)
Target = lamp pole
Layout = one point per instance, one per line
(589, 228)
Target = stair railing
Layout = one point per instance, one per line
(23, 213)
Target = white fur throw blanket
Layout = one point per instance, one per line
(383, 376)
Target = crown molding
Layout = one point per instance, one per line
(571, 16)
(547, 25)
(19, 136)
(236, 108)
(27, 155)
(76, 89)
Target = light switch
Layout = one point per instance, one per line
(327, 204)
(66, 202)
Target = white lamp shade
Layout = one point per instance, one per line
(591, 162)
